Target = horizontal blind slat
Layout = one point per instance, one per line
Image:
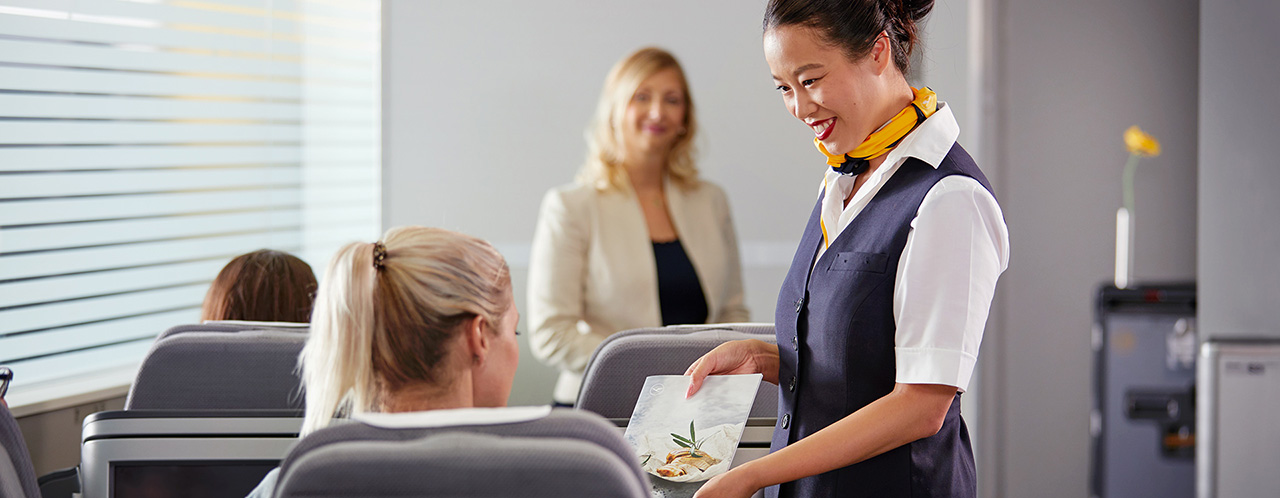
(49, 52)
(118, 182)
(52, 53)
(40, 27)
(88, 362)
(59, 158)
(30, 292)
(278, 31)
(143, 254)
(109, 107)
(45, 211)
(179, 41)
(317, 195)
(139, 13)
(73, 132)
(339, 217)
(52, 78)
(92, 310)
(341, 184)
(263, 19)
(55, 237)
(355, 15)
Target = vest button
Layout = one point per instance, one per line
(799, 304)
(786, 421)
(795, 343)
(791, 386)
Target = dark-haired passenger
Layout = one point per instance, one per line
(261, 286)
(881, 314)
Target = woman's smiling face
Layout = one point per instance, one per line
(822, 87)
(655, 116)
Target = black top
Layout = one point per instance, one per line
(679, 291)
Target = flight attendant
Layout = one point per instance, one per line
(881, 315)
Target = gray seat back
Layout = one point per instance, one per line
(559, 424)
(462, 464)
(220, 369)
(177, 452)
(17, 477)
(617, 369)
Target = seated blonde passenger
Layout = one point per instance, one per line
(423, 320)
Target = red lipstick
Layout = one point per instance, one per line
(822, 129)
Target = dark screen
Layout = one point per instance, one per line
(205, 479)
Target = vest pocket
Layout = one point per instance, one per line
(872, 262)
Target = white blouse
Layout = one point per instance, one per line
(956, 250)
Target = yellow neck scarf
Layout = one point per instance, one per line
(887, 137)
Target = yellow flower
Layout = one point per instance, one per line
(1141, 143)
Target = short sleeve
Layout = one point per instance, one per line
(956, 250)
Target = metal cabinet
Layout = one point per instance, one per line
(1144, 380)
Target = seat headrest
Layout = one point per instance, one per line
(616, 371)
(462, 464)
(199, 370)
(559, 423)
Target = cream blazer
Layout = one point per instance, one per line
(592, 271)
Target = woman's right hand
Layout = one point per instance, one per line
(735, 357)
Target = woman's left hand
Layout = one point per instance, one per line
(727, 485)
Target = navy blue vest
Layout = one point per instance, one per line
(836, 337)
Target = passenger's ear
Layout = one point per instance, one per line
(477, 339)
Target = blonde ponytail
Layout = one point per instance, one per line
(335, 362)
(376, 329)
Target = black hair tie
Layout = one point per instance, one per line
(379, 255)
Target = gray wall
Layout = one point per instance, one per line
(486, 102)
(1068, 78)
(1239, 204)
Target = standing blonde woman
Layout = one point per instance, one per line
(639, 240)
(418, 328)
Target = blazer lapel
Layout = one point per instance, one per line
(627, 235)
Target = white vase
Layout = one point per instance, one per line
(1124, 248)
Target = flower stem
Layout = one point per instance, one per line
(1129, 168)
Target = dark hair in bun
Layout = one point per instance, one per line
(854, 24)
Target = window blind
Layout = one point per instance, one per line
(144, 143)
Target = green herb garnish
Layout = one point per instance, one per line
(690, 442)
